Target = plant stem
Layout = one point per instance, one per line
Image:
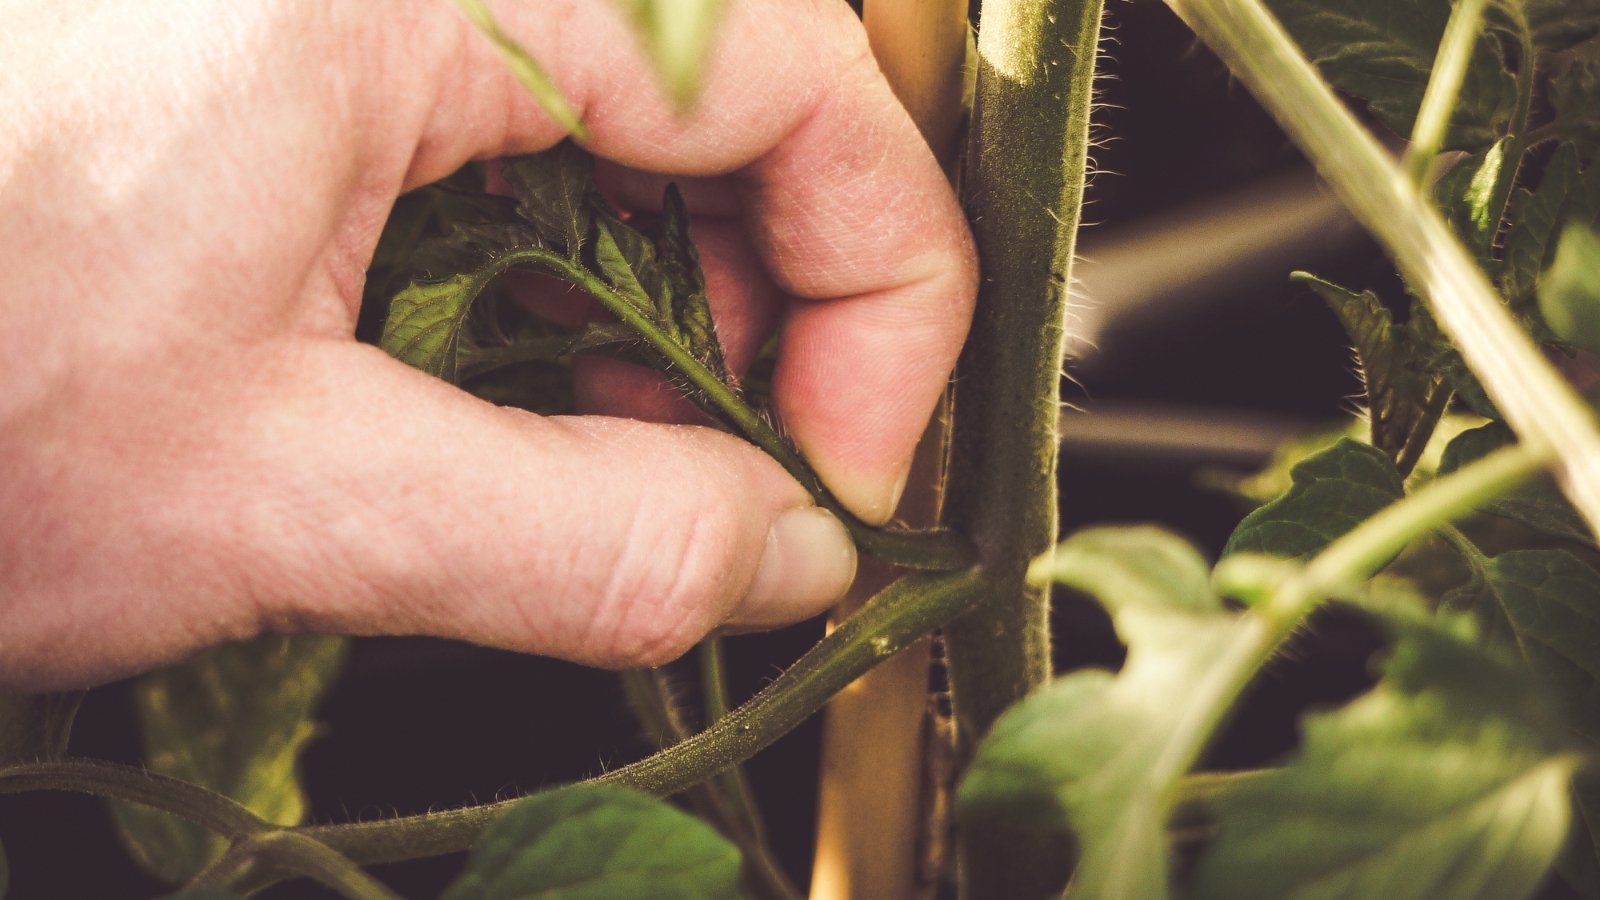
(905, 612)
(931, 550)
(196, 804)
(268, 855)
(1444, 86)
(1547, 415)
(1024, 179)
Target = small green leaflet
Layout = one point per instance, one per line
(425, 323)
(1100, 753)
(1569, 291)
(1536, 505)
(1332, 492)
(678, 35)
(1566, 194)
(36, 726)
(1398, 388)
(1383, 52)
(233, 720)
(552, 189)
(1445, 780)
(598, 842)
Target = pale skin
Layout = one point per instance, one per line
(194, 448)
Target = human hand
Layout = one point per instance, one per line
(193, 447)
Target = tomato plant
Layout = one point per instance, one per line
(1464, 770)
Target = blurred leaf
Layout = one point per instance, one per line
(1383, 52)
(525, 67)
(1569, 292)
(598, 842)
(1444, 780)
(1399, 390)
(36, 726)
(678, 35)
(551, 190)
(1465, 194)
(1537, 505)
(233, 720)
(1093, 751)
(1575, 97)
(1566, 194)
(1331, 493)
(1562, 24)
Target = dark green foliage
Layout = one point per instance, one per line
(1399, 386)
(1332, 492)
(1537, 505)
(1383, 50)
(599, 842)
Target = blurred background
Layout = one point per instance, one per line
(1192, 354)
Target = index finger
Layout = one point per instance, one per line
(849, 210)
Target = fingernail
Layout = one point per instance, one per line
(808, 564)
(872, 500)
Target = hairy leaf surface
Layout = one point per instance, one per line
(552, 190)
(598, 842)
(233, 720)
(1445, 780)
(1331, 493)
(1398, 386)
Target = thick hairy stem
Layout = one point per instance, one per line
(904, 613)
(206, 808)
(1546, 414)
(1024, 178)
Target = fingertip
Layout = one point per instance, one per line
(807, 565)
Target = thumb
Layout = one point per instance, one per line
(603, 541)
(341, 492)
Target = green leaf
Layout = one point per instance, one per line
(678, 36)
(627, 261)
(234, 720)
(552, 189)
(680, 263)
(36, 726)
(1569, 292)
(1546, 605)
(425, 323)
(533, 77)
(1383, 52)
(598, 842)
(1566, 194)
(1537, 505)
(1399, 389)
(1466, 193)
(1331, 493)
(1445, 780)
(1095, 752)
